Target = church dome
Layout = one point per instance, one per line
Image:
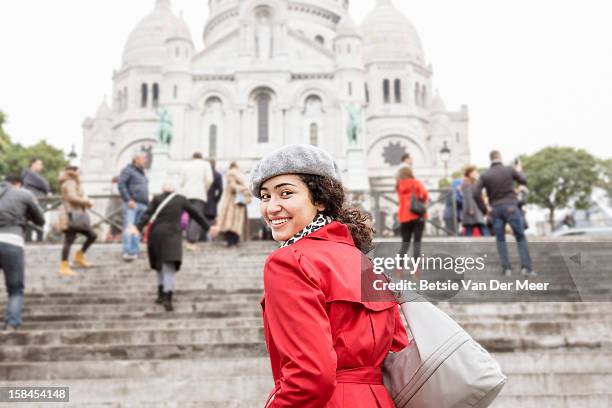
(347, 27)
(389, 36)
(437, 104)
(104, 111)
(146, 43)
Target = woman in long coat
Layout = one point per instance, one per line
(74, 200)
(326, 342)
(232, 221)
(165, 241)
(471, 217)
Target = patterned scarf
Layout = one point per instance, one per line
(319, 222)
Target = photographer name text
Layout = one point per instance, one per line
(450, 285)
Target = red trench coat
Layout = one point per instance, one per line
(326, 346)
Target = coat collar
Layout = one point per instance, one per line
(333, 232)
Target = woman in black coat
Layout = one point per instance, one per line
(165, 242)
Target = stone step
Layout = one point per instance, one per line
(571, 360)
(159, 323)
(208, 335)
(92, 370)
(510, 336)
(158, 351)
(567, 400)
(180, 305)
(565, 362)
(154, 314)
(127, 391)
(103, 298)
(219, 387)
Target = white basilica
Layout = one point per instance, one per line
(275, 72)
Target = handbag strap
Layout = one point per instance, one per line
(161, 207)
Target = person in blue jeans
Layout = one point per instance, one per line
(17, 207)
(134, 190)
(498, 181)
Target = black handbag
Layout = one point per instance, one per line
(79, 220)
(417, 206)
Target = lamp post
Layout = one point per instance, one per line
(72, 155)
(445, 153)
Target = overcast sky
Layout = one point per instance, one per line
(534, 73)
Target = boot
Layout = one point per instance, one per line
(79, 260)
(65, 269)
(160, 295)
(168, 302)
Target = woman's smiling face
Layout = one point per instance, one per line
(286, 205)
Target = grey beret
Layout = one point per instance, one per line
(293, 159)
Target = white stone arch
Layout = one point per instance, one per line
(220, 91)
(262, 85)
(306, 90)
(412, 141)
(126, 151)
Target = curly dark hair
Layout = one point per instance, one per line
(331, 193)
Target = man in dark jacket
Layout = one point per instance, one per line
(134, 191)
(17, 207)
(215, 191)
(38, 185)
(498, 181)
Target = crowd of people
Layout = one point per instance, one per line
(216, 208)
(196, 195)
(466, 205)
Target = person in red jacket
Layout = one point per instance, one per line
(326, 343)
(411, 224)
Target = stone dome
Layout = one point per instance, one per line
(347, 27)
(146, 43)
(104, 111)
(437, 104)
(388, 35)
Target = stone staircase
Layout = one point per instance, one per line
(101, 335)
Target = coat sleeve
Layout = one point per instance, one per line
(477, 194)
(298, 323)
(34, 213)
(148, 214)
(400, 337)
(195, 215)
(124, 179)
(72, 196)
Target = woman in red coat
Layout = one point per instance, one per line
(411, 224)
(326, 344)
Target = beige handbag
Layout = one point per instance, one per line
(443, 366)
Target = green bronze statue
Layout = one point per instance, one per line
(353, 128)
(164, 133)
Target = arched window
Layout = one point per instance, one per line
(367, 93)
(143, 95)
(348, 48)
(175, 91)
(263, 117)
(386, 91)
(398, 90)
(314, 134)
(417, 94)
(177, 51)
(313, 105)
(212, 141)
(155, 95)
(350, 88)
(320, 39)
